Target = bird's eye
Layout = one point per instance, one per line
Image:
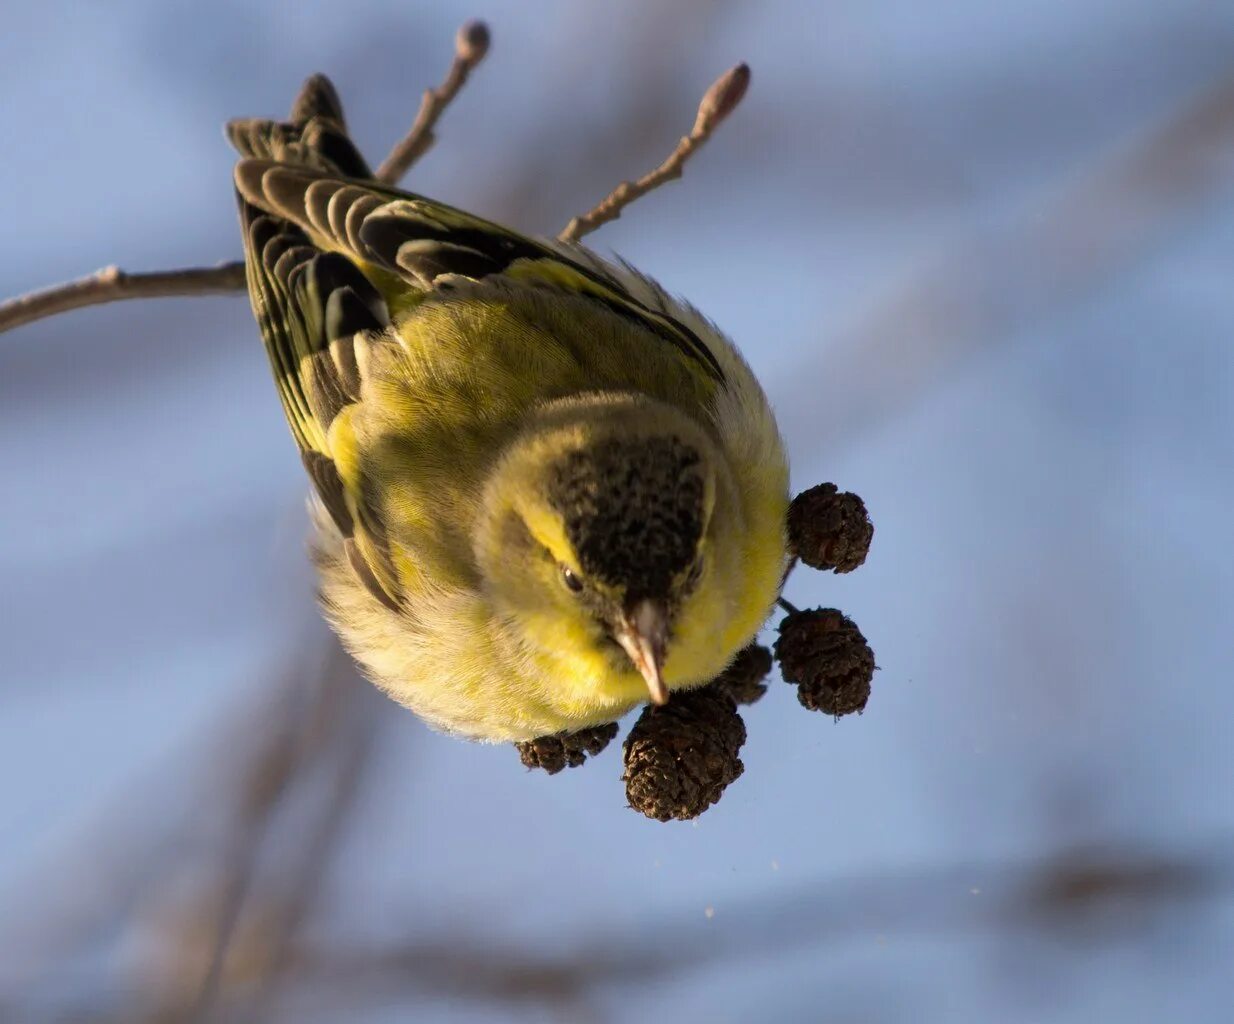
(570, 579)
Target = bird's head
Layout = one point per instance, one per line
(595, 534)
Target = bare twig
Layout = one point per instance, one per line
(470, 45)
(112, 284)
(718, 102)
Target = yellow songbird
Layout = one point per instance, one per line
(544, 490)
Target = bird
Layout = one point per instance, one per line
(544, 491)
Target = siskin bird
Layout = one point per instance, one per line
(544, 491)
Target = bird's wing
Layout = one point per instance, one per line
(318, 312)
(409, 246)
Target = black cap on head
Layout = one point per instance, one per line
(633, 510)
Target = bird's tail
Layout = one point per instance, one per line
(314, 136)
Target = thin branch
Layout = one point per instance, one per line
(112, 284)
(470, 46)
(718, 102)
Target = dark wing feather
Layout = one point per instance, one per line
(314, 305)
(404, 241)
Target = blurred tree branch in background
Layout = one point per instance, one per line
(998, 281)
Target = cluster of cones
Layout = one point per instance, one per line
(679, 758)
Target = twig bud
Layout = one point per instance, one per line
(721, 99)
(472, 41)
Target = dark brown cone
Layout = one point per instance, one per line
(743, 679)
(829, 528)
(680, 757)
(824, 653)
(567, 749)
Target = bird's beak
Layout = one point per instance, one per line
(643, 634)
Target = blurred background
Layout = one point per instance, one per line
(982, 256)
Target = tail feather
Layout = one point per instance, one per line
(315, 136)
